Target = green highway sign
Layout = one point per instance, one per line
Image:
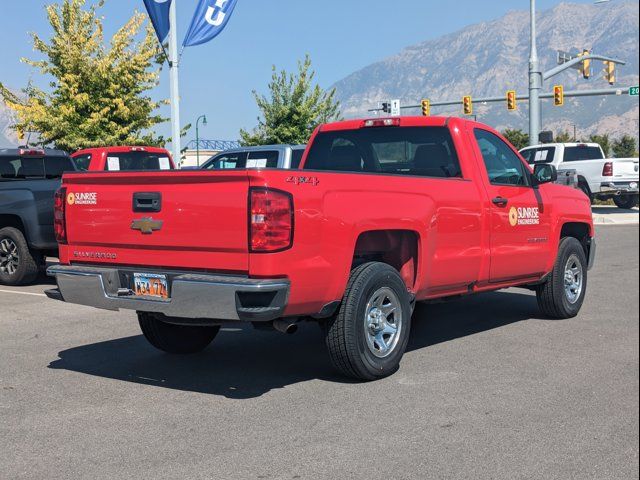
(633, 91)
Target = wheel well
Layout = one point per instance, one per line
(583, 181)
(579, 231)
(398, 248)
(12, 221)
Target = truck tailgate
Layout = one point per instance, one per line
(200, 222)
(625, 168)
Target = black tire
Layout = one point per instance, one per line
(176, 339)
(18, 265)
(346, 333)
(626, 202)
(584, 188)
(553, 299)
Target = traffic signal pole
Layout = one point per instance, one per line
(535, 81)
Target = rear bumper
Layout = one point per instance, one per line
(193, 296)
(618, 188)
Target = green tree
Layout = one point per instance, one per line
(625, 147)
(604, 141)
(98, 93)
(517, 138)
(293, 109)
(564, 137)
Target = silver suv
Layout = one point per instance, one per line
(268, 156)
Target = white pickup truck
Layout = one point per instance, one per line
(598, 177)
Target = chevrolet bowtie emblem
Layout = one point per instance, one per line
(146, 225)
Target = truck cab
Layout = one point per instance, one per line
(267, 156)
(112, 159)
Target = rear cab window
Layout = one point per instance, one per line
(582, 152)
(296, 157)
(137, 160)
(415, 151)
(22, 168)
(242, 160)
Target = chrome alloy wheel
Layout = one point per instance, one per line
(383, 322)
(9, 257)
(573, 279)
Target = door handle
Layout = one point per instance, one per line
(500, 201)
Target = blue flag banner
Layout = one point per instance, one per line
(208, 21)
(158, 11)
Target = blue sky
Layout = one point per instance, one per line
(217, 78)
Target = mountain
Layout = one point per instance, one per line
(489, 58)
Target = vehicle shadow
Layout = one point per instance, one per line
(244, 363)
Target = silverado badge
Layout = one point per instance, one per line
(146, 225)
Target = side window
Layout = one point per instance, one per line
(228, 161)
(54, 167)
(263, 159)
(504, 167)
(82, 162)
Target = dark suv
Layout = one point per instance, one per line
(29, 179)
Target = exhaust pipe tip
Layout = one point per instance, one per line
(288, 327)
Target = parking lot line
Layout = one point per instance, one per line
(23, 293)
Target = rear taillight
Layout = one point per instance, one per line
(270, 220)
(607, 170)
(59, 222)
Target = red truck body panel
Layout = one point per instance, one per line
(445, 235)
(97, 157)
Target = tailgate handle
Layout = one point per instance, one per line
(147, 202)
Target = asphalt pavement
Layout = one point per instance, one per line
(488, 389)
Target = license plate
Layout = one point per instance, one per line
(150, 285)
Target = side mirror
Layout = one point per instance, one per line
(544, 173)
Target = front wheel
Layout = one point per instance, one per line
(626, 202)
(368, 337)
(562, 295)
(177, 339)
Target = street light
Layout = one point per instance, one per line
(204, 122)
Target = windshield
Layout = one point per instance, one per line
(20, 168)
(420, 151)
(123, 161)
(539, 155)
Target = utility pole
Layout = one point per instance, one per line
(173, 80)
(535, 82)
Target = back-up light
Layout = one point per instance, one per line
(382, 122)
(59, 221)
(270, 220)
(607, 170)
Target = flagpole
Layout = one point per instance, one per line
(174, 61)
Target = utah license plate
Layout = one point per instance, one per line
(150, 285)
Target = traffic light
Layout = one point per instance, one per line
(558, 95)
(386, 107)
(586, 66)
(20, 133)
(467, 104)
(610, 72)
(512, 101)
(426, 108)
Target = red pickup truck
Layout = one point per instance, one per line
(385, 213)
(112, 159)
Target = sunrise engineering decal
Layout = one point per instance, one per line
(524, 216)
(89, 198)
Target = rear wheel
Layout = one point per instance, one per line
(18, 265)
(584, 188)
(626, 201)
(368, 337)
(562, 295)
(177, 339)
